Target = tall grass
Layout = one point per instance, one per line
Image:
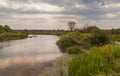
(100, 60)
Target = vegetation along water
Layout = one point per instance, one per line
(6, 33)
(94, 52)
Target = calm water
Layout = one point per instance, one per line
(26, 57)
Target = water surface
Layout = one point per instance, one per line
(28, 56)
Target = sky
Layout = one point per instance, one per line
(54, 14)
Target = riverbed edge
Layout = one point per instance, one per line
(59, 68)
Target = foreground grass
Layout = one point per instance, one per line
(12, 36)
(101, 61)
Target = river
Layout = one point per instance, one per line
(27, 57)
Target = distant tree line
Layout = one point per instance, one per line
(88, 29)
(46, 32)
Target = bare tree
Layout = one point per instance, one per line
(71, 25)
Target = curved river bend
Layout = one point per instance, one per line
(29, 56)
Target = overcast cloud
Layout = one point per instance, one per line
(54, 14)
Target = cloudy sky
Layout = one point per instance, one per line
(54, 14)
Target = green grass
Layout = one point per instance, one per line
(101, 61)
(115, 37)
(75, 50)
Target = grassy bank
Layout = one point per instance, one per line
(83, 40)
(6, 33)
(115, 37)
(99, 61)
(95, 54)
(12, 36)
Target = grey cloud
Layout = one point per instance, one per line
(21, 11)
(94, 9)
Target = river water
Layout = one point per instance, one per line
(29, 56)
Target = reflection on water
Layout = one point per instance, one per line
(30, 51)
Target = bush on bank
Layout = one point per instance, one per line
(99, 38)
(85, 40)
(66, 41)
(73, 39)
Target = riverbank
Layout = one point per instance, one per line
(12, 36)
(65, 65)
(6, 33)
(92, 54)
(59, 67)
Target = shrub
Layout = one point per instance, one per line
(100, 61)
(99, 38)
(74, 50)
(84, 40)
(73, 39)
(66, 42)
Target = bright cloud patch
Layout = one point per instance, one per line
(30, 6)
(112, 5)
(110, 15)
